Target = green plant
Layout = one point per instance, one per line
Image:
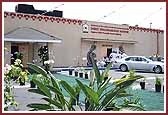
(52, 91)
(132, 102)
(103, 97)
(19, 55)
(43, 54)
(158, 81)
(10, 72)
(99, 98)
(8, 95)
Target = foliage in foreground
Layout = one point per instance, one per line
(100, 95)
(12, 72)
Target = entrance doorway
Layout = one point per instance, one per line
(109, 50)
(14, 49)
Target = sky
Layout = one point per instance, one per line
(143, 14)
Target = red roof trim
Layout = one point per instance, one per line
(40, 18)
(135, 28)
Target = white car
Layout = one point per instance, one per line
(139, 63)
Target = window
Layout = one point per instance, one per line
(129, 59)
(140, 59)
(143, 59)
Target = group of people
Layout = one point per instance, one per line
(112, 58)
(114, 55)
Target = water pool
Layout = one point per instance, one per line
(151, 100)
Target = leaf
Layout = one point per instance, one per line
(103, 87)
(68, 88)
(110, 96)
(54, 81)
(138, 107)
(38, 91)
(55, 90)
(39, 106)
(82, 86)
(97, 72)
(121, 84)
(90, 93)
(123, 95)
(93, 95)
(61, 99)
(54, 102)
(69, 104)
(77, 89)
(38, 69)
(106, 71)
(132, 107)
(42, 87)
(127, 81)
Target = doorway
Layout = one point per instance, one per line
(14, 49)
(109, 50)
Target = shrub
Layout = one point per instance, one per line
(12, 72)
(98, 99)
(158, 81)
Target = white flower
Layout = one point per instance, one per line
(48, 62)
(84, 58)
(51, 61)
(34, 60)
(7, 68)
(17, 62)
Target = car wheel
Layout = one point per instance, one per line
(123, 67)
(157, 69)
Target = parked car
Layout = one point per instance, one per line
(139, 63)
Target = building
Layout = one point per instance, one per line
(69, 40)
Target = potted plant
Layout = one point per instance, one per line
(142, 84)
(81, 70)
(76, 70)
(81, 74)
(158, 84)
(32, 84)
(70, 70)
(22, 81)
(43, 54)
(163, 85)
(23, 77)
(19, 72)
(86, 74)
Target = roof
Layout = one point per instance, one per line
(28, 34)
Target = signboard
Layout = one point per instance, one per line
(110, 30)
